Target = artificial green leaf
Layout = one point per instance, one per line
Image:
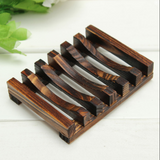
(9, 2)
(4, 18)
(4, 31)
(13, 26)
(9, 45)
(21, 34)
(9, 36)
(16, 51)
(30, 5)
(38, 1)
(21, 6)
(10, 9)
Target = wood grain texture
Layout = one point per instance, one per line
(118, 83)
(21, 93)
(83, 119)
(91, 103)
(105, 93)
(132, 74)
(119, 49)
(81, 130)
(79, 114)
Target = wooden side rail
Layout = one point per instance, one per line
(130, 56)
(21, 93)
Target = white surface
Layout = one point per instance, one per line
(130, 131)
(134, 23)
(110, 139)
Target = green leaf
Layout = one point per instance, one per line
(4, 18)
(13, 26)
(30, 5)
(9, 2)
(38, 1)
(16, 51)
(10, 9)
(21, 6)
(9, 45)
(4, 31)
(21, 34)
(9, 36)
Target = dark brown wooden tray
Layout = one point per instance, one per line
(35, 93)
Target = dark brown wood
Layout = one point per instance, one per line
(91, 103)
(122, 51)
(21, 93)
(80, 130)
(104, 93)
(118, 83)
(78, 113)
(132, 74)
(94, 109)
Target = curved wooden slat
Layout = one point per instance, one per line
(116, 82)
(91, 103)
(132, 74)
(105, 93)
(77, 113)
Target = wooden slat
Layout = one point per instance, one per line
(132, 74)
(91, 103)
(77, 113)
(118, 83)
(105, 93)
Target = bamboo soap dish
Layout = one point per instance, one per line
(35, 93)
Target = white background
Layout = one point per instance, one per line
(130, 132)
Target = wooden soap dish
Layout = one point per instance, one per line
(92, 108)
